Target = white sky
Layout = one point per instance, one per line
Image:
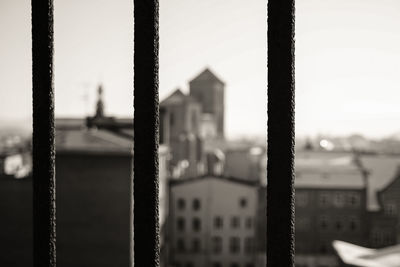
(347, 60)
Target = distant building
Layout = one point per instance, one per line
(383, 203)
(248, 163)
(94, 159)
(209, 90)
(94, 163)
(348, 197)
(330, 204)
(212, 222)
(385, 224)
(180, 130)
(93, 175)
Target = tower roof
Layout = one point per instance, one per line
(206, 75)
(177, 97)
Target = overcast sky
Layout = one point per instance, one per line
(347, 60)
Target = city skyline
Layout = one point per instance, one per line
(343, 67)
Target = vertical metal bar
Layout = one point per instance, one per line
(145, 184)
(44, 208)
(280, 189)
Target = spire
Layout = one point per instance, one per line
(100, 104)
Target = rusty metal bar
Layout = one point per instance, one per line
(280, 169)
(145, 184)
(44, 193)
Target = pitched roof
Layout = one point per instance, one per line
(221, 178)
(334, 171)
(175, 98)
(206, 75)
(312, 169)
(92, 141)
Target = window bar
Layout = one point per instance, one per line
(280, 188)
(145, 181)
(44, 191)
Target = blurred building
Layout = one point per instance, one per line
(212, 222)
(247, 162)
(180, 130)
(94, 163)
(93, 176)
(94, 158)
(209, 91)
(16, 224)
(383, 199)
(330, 204)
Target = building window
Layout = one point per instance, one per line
(390, 209)
(180, 224)
(235, 222)
(243, 202)
(234, 245)
(196, 224)
(216, 244)
(180, 245)
(323, 249)
(353, 200)
(196, 204)
(248, 245)
(324, 199)
(301, 199)
(181, 204)
(249, 222)
(354, 223)
(323, 222)
(196, 245)
(218, 222)
(338, 199)
(339, 225)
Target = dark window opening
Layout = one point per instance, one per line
(196, 224)
(196, 204)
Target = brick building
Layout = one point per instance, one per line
(330, 203)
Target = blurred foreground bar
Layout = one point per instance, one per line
(44, 191)
(280, 189)
(145, 225)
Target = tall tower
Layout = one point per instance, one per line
(209, 90)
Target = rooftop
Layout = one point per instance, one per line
(206, 75)
(92, 141)
(207, 177)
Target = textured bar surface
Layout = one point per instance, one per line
(145, 184)
(44, 208)
(280, 189)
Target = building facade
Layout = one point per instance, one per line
(212, 222)
(330, 205)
